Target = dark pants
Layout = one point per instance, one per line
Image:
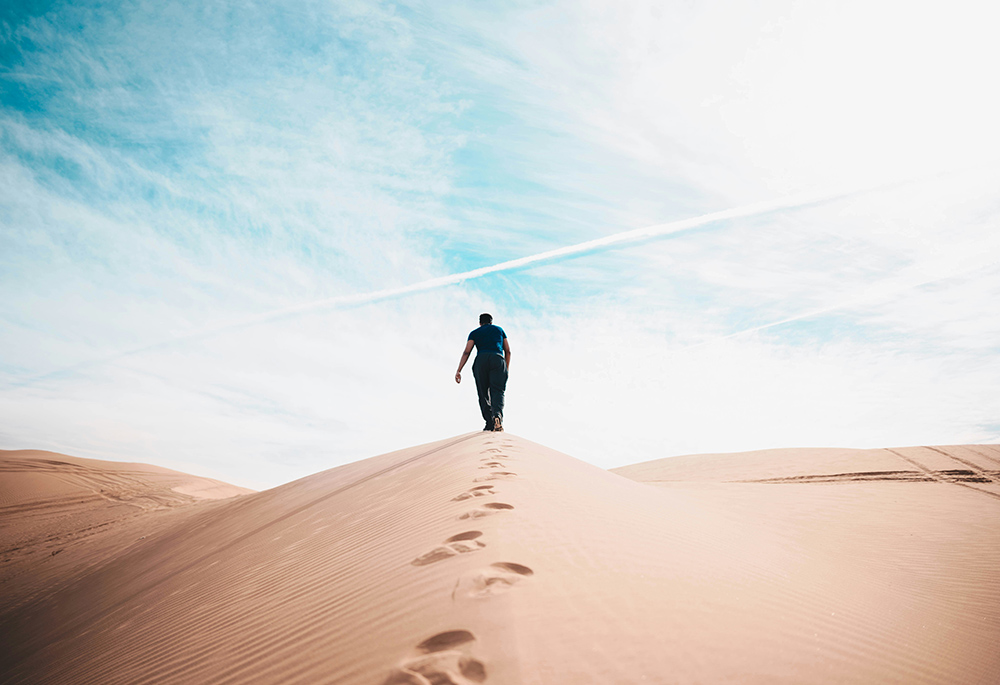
(490, 371)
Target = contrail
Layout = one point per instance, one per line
(633, 236)
(869, 295)
(636, 235)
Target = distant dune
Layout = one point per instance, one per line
(35, 478)
(486, 558)
(61, 515)
(976, 464)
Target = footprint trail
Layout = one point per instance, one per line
(456, 544)
(442, 660)
(495, 475)
(486, 510)
(478, 491)
(492, 580)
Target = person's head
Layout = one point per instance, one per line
(485, 319)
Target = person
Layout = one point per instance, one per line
(489, 369)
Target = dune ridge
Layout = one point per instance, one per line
(51, 505)
(958, 464)
(487, 558)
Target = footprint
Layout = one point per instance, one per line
(456, 544)
(442, 661)
(492, 580)
(492, 465)
(493, 450)
(478, 491)
(496, 475)
(467, 535)
(443, 641)
(486, 510)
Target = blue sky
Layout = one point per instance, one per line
(188, 193)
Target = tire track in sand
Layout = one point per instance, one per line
(936, 475)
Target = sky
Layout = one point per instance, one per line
(248, 240)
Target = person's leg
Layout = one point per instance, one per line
(498, 385)
(481, 372)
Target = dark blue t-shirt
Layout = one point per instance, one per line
(488, 339)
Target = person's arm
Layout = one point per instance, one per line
(506, 353)
(465, 358)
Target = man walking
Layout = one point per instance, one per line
(489, 369)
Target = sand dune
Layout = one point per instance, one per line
(79, 509)
(979, 464)
(40, 479)
(490, 559)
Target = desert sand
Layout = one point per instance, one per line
(487, 558)
(61, 515)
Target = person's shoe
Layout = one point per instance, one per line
(489, 426)
(497, 423)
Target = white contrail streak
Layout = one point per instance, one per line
(626, 237)
(872, 294)
(635, 235)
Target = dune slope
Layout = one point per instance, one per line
(490, 559)
(975, 464)
(60, 515)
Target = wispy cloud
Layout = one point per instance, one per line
(569, 251)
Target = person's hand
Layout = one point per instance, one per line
(458, 377)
